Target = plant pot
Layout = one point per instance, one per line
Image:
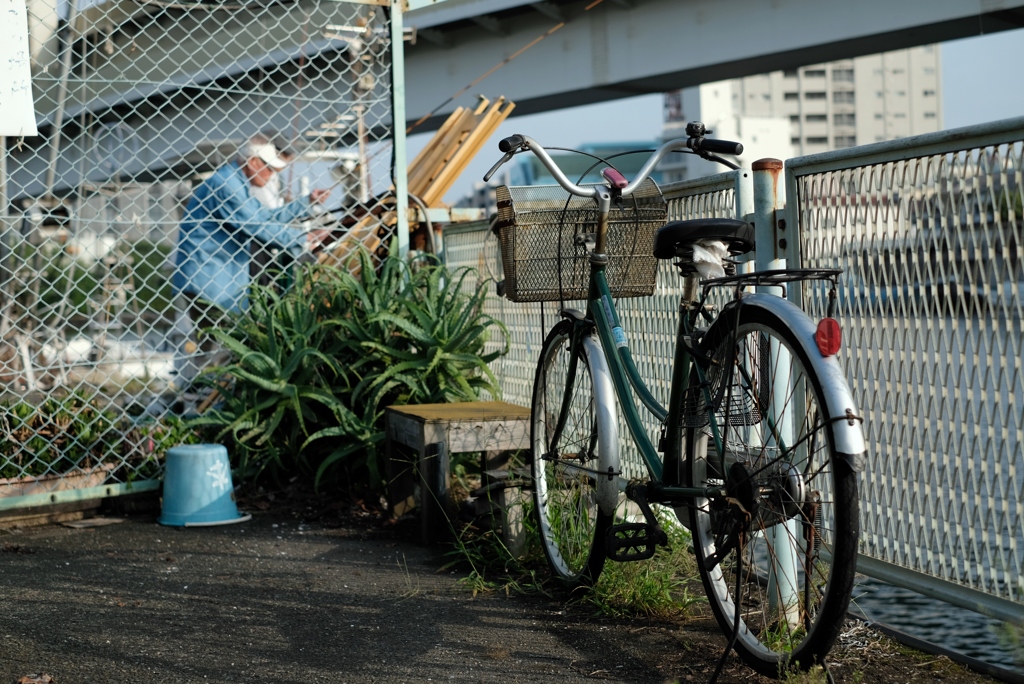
(47, 484)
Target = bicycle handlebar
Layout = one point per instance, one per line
(698, 145)
(529, 143)
(511, 142)
(712, 145)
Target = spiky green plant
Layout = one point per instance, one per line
(57, 435)
(314, 368)
(79, 431)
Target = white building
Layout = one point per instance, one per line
(714, 104)
(825, 106)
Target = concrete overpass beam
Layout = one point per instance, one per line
(619, 50)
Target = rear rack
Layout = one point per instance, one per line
(773, 277)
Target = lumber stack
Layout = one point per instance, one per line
(432, 173)
(442, 161)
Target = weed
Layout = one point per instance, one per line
(656, 587)
(411, 589)
(1012, 637)
(815, 675)
(492, 566)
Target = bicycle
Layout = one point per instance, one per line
(760, 442)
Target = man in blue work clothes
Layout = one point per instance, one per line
(221, 220)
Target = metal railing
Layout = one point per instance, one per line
(928, 231)
(137, 105)
(930, 234)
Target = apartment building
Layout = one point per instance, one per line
(826, 106)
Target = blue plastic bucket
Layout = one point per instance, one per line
(197, 487)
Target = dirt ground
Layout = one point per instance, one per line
(333, 596)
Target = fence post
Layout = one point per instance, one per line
(744, 193)
(401, 179)
(769, 201)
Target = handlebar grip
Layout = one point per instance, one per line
(719, 146)
(511, 142)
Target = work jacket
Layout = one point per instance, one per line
(220, 222)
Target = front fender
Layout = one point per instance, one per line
(607, 426)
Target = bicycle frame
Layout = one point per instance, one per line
(625, 377)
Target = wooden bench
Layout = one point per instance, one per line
(431, 432)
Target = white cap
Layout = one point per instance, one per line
(266, 152)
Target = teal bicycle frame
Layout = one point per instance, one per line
(665, 472)
(625, 376)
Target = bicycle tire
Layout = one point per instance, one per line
(571, 525)
(799, 635)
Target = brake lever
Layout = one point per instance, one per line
(715, 158)
(508, 155)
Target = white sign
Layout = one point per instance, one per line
(17, 113)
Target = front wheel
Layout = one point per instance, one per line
(565, 444)
(783, 548)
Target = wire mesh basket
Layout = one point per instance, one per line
(538, 225)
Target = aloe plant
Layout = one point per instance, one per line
(314, 368)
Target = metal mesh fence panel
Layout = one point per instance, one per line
(930, 304)
(178, 146)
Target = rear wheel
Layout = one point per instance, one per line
(788, 557)
(572, 527)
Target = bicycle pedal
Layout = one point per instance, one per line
(633, 541)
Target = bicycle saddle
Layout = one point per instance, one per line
(675, 234)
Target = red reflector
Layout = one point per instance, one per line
(828, 336)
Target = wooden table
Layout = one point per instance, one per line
(434, 431)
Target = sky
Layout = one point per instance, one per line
(974, 90)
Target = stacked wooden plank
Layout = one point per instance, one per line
(432, 173)
(442, 161)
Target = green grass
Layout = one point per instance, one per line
(1012, 636)
(657, 587)
(661, 586)
(490, 564)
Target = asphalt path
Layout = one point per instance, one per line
(283, 600)
(274, 600)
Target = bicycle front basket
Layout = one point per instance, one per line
(537, 228)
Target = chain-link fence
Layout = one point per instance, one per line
(179, 143)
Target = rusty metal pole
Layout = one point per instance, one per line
(769, 203)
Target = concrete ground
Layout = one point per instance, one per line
(278, 600)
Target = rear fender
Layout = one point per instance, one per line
(839, 406)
